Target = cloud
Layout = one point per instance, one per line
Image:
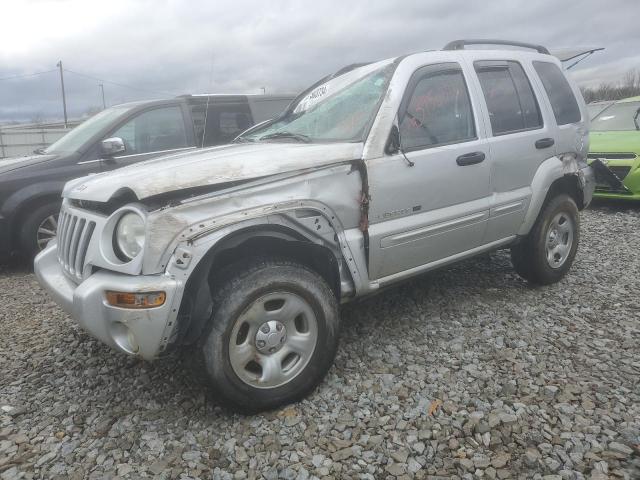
(165, 47)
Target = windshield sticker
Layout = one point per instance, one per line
(318, 92)
(314, 97)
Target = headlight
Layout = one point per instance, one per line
(129, 236)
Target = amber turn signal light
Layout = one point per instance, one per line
(136, 300)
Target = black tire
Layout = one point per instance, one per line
(529, 257)
(28, 236)
(246, 284)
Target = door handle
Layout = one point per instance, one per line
(470, 158)
(544, 143)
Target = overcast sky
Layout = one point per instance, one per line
(170, 47)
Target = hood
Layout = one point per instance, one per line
(212, 166)
(14, 163)
(615, 142)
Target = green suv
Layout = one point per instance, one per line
(615, 141)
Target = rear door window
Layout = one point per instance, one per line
(220, 123)
(563, 101)
(438, 110)
(510, 99)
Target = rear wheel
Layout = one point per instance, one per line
(546, 254)
(39, 227)
(273, 334)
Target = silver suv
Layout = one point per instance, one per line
(376, 173)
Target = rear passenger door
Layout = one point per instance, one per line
(519, 142)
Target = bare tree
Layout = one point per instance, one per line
(629, 86)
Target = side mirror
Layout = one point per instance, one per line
(111, 146)
(393, 142)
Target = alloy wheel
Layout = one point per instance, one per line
(46, 231)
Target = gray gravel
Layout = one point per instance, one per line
(465, 373)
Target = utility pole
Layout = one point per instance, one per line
(64, 97)
(104, 105)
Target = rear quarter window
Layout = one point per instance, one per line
(563, 101)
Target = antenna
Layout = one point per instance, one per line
(64, 96)
(206, 108)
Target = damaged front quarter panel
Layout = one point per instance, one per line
(322, 206)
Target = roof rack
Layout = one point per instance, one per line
(460, 44)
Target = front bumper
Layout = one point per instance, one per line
(141, 332)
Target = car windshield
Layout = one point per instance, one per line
(339, 110)
(77, 137)
(618, 117)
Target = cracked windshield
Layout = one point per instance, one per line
(339, 110)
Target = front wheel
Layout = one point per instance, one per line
(546, 254)
(273, 334)
(39, 228)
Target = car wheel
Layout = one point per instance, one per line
(39, 228)
(547, 253)
(272, 337)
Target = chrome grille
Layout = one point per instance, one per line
(74, 234)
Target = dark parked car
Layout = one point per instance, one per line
(30, 186)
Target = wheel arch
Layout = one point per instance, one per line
(27, 199)
(553, 177)
(268, 239)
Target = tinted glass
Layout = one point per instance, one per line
(224, 122)
(623, 116)
(511, 102)
(439, 112)
(564, 104)
(153, 131)
(530, 111)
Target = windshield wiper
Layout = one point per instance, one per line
(39, 151)
(295, 136)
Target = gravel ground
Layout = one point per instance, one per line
(464, 373)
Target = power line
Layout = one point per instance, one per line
(28, 74)
(118, 84)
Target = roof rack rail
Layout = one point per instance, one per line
(460, 44)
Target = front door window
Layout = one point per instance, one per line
(153, 131)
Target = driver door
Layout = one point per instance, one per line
(149, 134)
(438, 208)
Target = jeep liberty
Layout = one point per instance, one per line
(374, 174)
